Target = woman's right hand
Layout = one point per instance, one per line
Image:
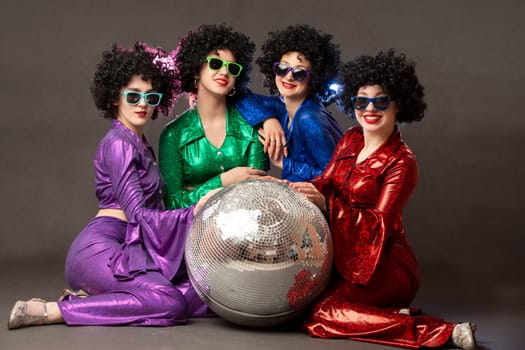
(240, 173)
(311, 192)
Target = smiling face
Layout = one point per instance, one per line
(134, 117)
(288, 87)
(216, 82)
(371, 119)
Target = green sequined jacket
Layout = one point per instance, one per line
(191, 166)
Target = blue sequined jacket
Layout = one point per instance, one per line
(311, 136)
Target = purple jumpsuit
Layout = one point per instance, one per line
(133, 271)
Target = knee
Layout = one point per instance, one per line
(171, 302)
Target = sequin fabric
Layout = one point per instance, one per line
(312, 134)
(376, 270)
(192, 166)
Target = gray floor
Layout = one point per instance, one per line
(498, 311)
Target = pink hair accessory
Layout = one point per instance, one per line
(166, 62)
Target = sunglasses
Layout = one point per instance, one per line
(215, 63)
(298, 74)
(133, 98)
(380, 103)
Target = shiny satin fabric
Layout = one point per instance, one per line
(338, 317)
(128, 267)
(376, 269)
(148, 299)
(192, 166)
(312, 134)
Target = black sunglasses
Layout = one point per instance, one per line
(380, 103)
(298, 74)
(215, 63)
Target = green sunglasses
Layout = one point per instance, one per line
(216, 63)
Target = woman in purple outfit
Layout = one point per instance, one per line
(128, 260)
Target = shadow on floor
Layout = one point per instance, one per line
(498, 311)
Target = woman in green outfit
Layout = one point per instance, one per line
(210, 145)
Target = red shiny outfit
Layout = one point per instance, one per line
(376, 270)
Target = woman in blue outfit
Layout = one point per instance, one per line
(128, 259)
(300, 63)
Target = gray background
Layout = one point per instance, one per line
(464, 220)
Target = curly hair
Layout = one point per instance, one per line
(394, 73)
(119, 65)
(316, 46)
(193, 49)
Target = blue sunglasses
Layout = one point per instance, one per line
(298, 74)
(380, 103)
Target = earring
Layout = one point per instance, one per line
(196, 83)
(232, 92)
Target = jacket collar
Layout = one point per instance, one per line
(384, 151)
(234, 126)
(130, 135)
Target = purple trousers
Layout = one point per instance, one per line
(149, 299)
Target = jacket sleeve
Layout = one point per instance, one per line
(188, 197)
(399, 183)
(154, 238)
(256, 156)
(257, 108)
(323, 182)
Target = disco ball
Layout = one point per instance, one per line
(258, 253)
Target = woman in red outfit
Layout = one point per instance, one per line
(363, 191)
